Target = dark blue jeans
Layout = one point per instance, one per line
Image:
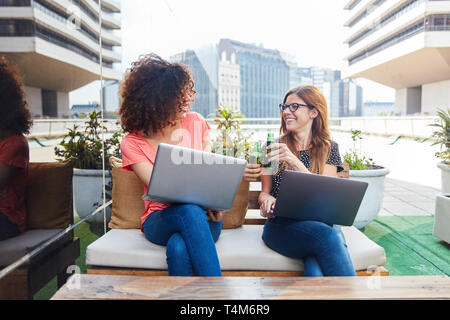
(7, 228)
(189, 239)
(322, 247)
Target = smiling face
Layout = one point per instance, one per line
(302, 118)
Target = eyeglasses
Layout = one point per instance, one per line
(293, 107)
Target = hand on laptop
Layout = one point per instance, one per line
(214, 216)
(266, 208)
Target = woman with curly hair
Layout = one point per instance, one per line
(305, 146)
(156, 97)
(15, 121)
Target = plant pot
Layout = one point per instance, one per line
(442, 218)
(445, 177)
(373, 198)
(235, 217)
(88, 195)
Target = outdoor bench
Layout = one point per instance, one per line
(241, 252)
(49, 205)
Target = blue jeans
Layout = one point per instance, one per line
(7, 228)
(189, 239)
(322, 247)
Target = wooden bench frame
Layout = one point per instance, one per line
(252, 204)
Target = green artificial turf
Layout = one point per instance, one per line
(411, 248)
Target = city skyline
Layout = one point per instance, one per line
(156, 27)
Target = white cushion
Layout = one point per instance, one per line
(238, 249)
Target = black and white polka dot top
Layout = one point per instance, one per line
(305, 157)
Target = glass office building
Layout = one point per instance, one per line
(264, 77)
(205, 101)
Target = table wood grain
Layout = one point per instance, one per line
(85, 286)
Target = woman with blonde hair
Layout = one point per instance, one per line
(305, 146)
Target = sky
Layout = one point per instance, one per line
(312, 31)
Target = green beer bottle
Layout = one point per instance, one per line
(270, 140)
(255, 156)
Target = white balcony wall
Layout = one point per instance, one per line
(405, 20)
(356, 11)
(400, 49)
(112, 5)
(17, 44)
(372, 18)
(16, 12)
(438, 6)
(93, 26)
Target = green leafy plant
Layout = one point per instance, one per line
(354, 158)
(231, 140)
(442, 134)
(86, 146)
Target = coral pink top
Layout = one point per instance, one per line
(135, 148)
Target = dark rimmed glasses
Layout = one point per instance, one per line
(293, 106)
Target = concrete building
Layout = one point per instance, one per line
(229, 89)
(350, 98)
(56, 45)
(403, 44)
(264, 77)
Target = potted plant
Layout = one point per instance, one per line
(231, 141)
(363, 169)
(442, 214)
(86, 146)
(442, 136)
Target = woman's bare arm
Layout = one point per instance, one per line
(266, 186)
(330, 170)
(143, 171)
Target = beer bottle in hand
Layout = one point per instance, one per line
(255, 156)
(270, 139)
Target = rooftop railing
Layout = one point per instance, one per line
(407, 126)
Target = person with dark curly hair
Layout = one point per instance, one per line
(15, 121)
(156, 97)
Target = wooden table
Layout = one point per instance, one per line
(87, 286)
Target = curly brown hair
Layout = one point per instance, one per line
(153, 92)
(15, 117)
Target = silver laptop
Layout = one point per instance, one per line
(304, 196)
(183, 175)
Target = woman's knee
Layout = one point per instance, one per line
(176, 247)
(331, 239)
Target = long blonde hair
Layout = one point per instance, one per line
(320, 134)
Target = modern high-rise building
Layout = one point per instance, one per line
(56, 45)
(264, 77)
(229, 81)
(205, 101)
(350, 98)
(403, 44)
(254, 79)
